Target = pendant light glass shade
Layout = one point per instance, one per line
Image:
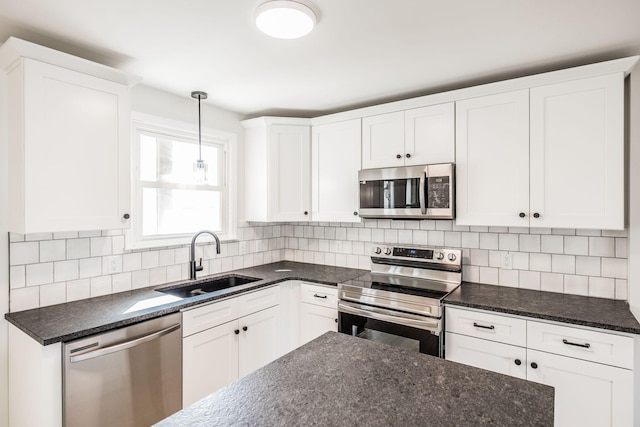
(200, 168)
(285, 19)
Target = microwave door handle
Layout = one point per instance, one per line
(423, 196)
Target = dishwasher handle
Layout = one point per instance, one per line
(124, 345)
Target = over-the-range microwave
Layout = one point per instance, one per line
(410, 192)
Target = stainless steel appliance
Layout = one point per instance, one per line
(426, 191)
(128, 377)
(400, 301)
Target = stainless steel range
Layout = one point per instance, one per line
(400, 301)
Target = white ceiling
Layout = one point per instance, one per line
(362, 52)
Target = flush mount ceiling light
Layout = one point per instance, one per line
(285, 19)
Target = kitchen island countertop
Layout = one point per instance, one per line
(339, 380)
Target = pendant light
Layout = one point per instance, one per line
(199, 167)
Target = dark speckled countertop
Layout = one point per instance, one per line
(339, 380)
(73, 320)
(601, 313)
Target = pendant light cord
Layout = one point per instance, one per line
(199, 131)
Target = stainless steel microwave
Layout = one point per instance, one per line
(417, 192)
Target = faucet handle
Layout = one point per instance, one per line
(199, 266)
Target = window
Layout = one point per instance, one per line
(168, 204)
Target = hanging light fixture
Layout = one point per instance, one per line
(199, 167)
(285, 19)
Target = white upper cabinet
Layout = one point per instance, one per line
(69, 139)
(277, 169)
(492, 159)
(335, 162)
(577, 153)
(551, 156)
(412, 137)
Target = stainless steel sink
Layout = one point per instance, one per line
(202, 287)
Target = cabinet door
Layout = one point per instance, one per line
(335, 162)
(586, 393)
(577, 153)
(209, 361)
(429, 135)
(290, 165)
(259, 340)
(75, 157)
(315, 321)
(492, 356)
(492, 160)
(383, 140)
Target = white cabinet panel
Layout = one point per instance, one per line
(210, 361)
(319, 295)
(315, 320)
(586, 393)
(577, 153)
(209, 315)
(488, 326)
(429, 135)
(502, 358)
(492, 160)
(69, 150)
(259, 340)
(383, 140)
(335, 162)
(258, 300)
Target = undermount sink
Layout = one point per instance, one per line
(202, 287)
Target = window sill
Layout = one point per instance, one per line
(131, 245)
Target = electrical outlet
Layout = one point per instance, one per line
(242, 248)
(507, 261)
(114, 264)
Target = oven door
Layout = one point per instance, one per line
(413, 332)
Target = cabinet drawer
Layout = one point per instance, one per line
(494, 327)
(319, 295)
(259, 300)
(208, 316)
(601, 347)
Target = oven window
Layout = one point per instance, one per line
(390, 194)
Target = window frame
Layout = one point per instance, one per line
(141, 123)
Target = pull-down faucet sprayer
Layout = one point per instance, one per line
(192, 253)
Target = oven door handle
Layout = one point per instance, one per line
(390, 316)
(423, 199)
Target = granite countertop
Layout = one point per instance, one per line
(339, 380)
(613, 315)
(73, 320)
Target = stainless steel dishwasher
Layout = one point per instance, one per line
(127, 377)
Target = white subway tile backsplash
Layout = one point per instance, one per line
(157, 276)
(588, 266)
(563, 231)
(52, 250)
(563, 264)
(24, 253)
(39, 274)
(436, 238)
(390, 236)
(24, 298)
(540, 262)
(602, 246)
(405, 237)
(65, 235)
(78, 248)
(428, 225)
(530, 280)
(17, 277)
(452, 239)
(614, 233)
(33, 237)
(489, 275)
(121, 282)
(65, 270)
(470, 240)
(139, 279)
(101, 286)
(508, 242)
(550, 244)
(594, 233)
(614, 267)
(471, 273)
(412, 225)
(489, 241)
(444, 225)
(352, 234)
(576, 245)
(602, 287)
(479, 257)
(364, 234)
(78, 289)
(622, 289)
(552, 282)
(133, 261)
(621, 248)
(100, 246)
(577, 285)
(90, 267)
(90, 233)
(529, 242)
(16, 237)
(520, 260)
(55, 293)
(508, 278)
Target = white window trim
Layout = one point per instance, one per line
(140, 121)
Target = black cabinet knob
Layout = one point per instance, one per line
(126, 216)
(408, 156)
(336, 320)
(534, 365)
(536, 215)
(355, 213)
(244, 328)
(237, 331)
(398, 156)
(522, 215)
(518, 362)
(306, 212)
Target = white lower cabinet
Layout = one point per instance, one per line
(318, 311)
(591, 371)
(219, 354)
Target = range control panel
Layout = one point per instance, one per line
(417, 253)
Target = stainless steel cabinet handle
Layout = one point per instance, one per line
(585, 345)
(123, 346)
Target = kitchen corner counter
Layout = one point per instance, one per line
(613, 315)
(73, 320)
(339, 380)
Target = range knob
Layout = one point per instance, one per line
(377, 250)
(387, 251)
(451, 257)
(440, 256)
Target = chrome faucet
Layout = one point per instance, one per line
(192, 254)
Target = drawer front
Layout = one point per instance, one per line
(209, 315)
(259, 300)
(488, 326)
(319, 295)
(594, 346)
